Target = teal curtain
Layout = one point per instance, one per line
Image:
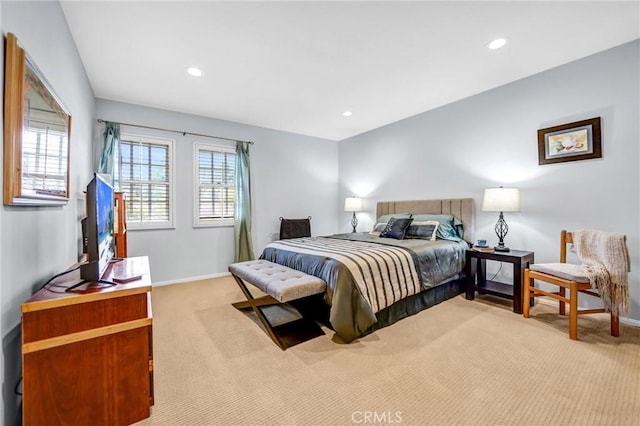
(244, 246)
(110, 149)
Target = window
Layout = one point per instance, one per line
(214, 189)
(44, 160)
(145, 175)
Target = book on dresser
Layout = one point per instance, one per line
(483, 249)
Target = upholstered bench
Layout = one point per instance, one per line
(281, 284)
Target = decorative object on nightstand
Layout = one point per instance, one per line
(481, 245)
(501, 200)
(353, 204)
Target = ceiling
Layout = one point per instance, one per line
(297, 66)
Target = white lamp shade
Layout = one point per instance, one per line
(353, 204)
(501, 200)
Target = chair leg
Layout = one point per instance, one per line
(527, 294)
(615, 326)
(573, 311)
(562, 293)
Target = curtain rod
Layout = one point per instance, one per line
(175, 131)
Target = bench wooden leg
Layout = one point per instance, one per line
(251, 301)
(284, 335)
(260, 301)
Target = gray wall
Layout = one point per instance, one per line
(292, 176)
(490, 139)
(40, 242)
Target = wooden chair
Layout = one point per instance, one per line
(565, 276)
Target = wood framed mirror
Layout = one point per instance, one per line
(37, 129)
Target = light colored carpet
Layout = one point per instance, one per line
(460, 362)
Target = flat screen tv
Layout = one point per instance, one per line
(98, 229)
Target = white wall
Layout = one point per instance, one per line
(40, 242)
(490, 139)
(292, 176)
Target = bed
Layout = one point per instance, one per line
(373, 282)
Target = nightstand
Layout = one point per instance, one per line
(476, 272)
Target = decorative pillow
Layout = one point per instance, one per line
(382, 221)
(377, 229)
(425, 230)
(396, 228)
(449, 228)
(386, 217)
(442, 218)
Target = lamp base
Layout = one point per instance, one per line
(501, 229)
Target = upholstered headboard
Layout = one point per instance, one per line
(462, 208)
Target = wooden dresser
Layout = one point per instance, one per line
(87, 356)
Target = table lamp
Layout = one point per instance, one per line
(501, 200)
(353, 204)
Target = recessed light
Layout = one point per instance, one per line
(497, 43)
(196, 72)
(347, 113)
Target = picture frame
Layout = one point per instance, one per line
(37, 134)
(580, 140)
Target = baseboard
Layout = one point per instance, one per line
(623, 320)
(191, 279)
(630, 321)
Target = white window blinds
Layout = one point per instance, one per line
(145, 177)
(44, 160)
(215, 185)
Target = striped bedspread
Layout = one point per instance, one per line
(383, 274)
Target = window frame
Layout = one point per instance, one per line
(197, 221)
(133, 225)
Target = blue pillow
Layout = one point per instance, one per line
(396, 228)
(450, 227)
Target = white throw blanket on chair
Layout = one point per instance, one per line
(606, 264)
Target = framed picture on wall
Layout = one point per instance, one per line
(570, 142)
